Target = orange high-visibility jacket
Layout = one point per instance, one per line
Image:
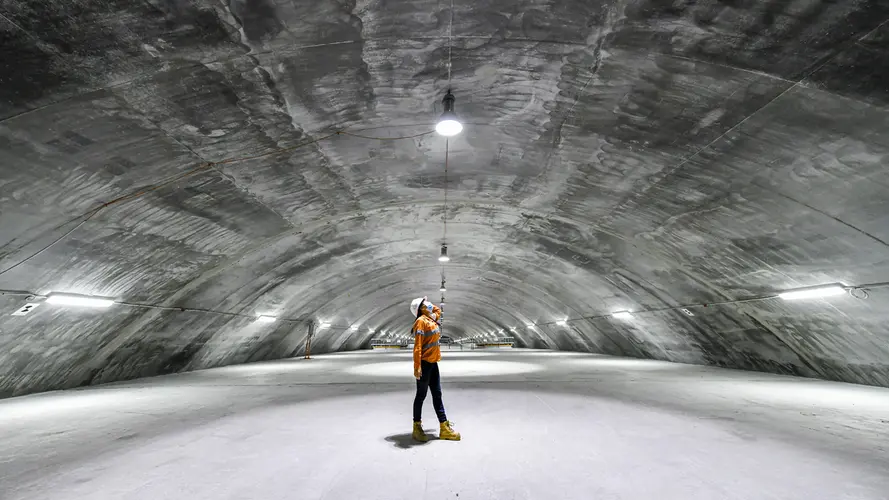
(427, 338)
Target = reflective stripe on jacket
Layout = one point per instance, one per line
(427, 337)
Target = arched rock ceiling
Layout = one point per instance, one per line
(625, 154)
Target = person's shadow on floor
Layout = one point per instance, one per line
(406, 441)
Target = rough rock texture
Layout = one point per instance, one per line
(629, 154)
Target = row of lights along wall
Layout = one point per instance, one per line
(94, 302)
(859, 292)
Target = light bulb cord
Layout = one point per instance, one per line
(450, 31)
(444, 215)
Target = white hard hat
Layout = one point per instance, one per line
(415, 305)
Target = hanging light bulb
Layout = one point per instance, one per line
(444, 254)
(448, 125)
(443, 288)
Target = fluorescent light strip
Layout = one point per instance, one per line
(623, 315)
(78, 300)
(813, 293)
(562, 322)
(266, 319)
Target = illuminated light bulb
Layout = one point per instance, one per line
(813, 293)
(64, 299)
(448, 125)
(443, 257)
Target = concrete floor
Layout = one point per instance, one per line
(536, 424)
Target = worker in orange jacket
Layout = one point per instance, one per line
(427, 354)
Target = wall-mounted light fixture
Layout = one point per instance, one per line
(813, 293)
(66, 299)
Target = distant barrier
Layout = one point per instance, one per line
(393, 344)
(485, 343)
(454, 346)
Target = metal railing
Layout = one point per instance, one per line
(384, 343)
(483, 342)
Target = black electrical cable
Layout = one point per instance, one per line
(851, 289)
(421, 134)
(86, 216)
(53, 242)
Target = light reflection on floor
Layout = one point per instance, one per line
(272, 367)
(453, 368)
(609, 363)
(549, 354)
(445, 354)
(337, 427)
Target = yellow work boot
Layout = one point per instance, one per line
(448, 433)
(418, 434)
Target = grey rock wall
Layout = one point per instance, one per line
(628, 154)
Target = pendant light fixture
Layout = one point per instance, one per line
(448, 125)
(444, 254)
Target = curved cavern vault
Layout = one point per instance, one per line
(631, 155)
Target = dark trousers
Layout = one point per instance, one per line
(429, 379)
